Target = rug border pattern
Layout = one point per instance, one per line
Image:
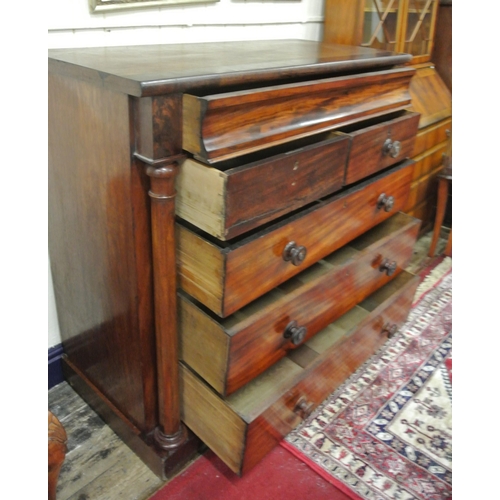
(353, 485)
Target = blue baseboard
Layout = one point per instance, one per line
(55, 367)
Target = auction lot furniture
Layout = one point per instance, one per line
(225, 233)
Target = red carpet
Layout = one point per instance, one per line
(386, 433)
(278, 476)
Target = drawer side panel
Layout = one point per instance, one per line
(201, 268)
(211, 419)
(203, 344)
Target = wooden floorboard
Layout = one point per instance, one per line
(98, 465)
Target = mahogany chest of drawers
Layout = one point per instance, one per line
(225, 233)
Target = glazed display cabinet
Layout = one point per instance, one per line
(397, 25)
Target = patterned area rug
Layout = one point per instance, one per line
(386, 432)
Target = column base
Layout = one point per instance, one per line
(170, 441)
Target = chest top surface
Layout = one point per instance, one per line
(157, 69)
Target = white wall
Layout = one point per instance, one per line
(54, 334)
(72, 25)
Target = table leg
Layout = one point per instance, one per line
(442, 198)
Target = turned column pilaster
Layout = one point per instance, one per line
(170, 433)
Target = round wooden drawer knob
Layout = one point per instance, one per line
(294, 253)
(388, 266)
(303, 408)
(295, 333)
(387, 202)
(390, 329)
(392, 148)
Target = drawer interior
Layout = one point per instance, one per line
(253, 398)
(246, 425)
(387, 229)
(245, 343)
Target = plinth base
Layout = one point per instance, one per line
(165, 463)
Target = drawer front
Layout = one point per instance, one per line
(244, 427)
(257, 336)
(222, 126)
(226, 278)
(228, 203)
(379, 146)
(431, 136)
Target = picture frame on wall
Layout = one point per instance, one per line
(110, 5)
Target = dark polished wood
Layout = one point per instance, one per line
(221, 126)
(151, 70)
(218, 127)
(119, 131)
(99, 245)
(442, 51)
(231, 275)
(244, 427)
(444, 183)
(57, 452)
(244, 346)
(380, 145)
(171, 433)
(238, 196)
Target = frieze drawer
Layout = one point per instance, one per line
(221, 126)
(242, 428)
(248, 342)
(226, 276)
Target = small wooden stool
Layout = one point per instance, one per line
(57, 452)
(444, 181)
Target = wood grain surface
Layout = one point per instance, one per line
(225, 278)
(246, 343)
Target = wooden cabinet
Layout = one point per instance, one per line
(407, 26)
(398, 25)
(226, 233)
(442, 51)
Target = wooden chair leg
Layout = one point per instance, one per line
(447, 250)
(442, 197)
(57, 452)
